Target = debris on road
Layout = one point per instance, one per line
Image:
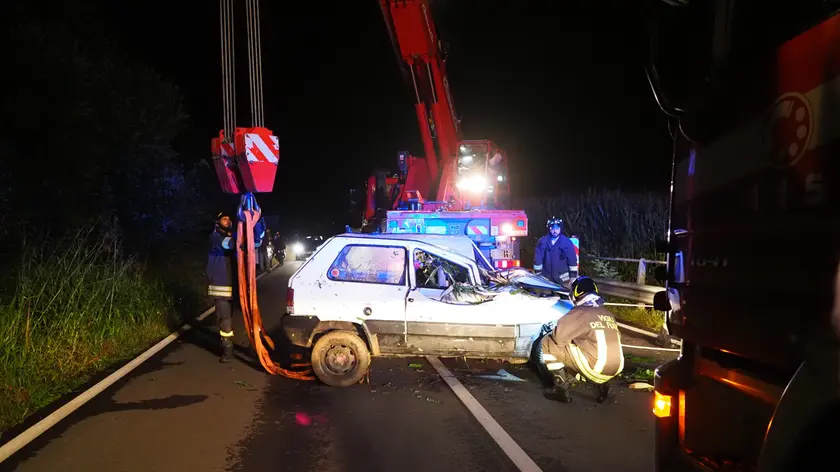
(502, 374)
(641, 386)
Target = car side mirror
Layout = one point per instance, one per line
(661, 302)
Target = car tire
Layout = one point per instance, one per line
(340, 358)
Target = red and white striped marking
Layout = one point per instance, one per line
(260, 148)
(227, 150)
(476, 230)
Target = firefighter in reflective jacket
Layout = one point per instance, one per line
(555, 257)
(221, 262)
(585, 342)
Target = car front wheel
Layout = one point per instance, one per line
(340, 358)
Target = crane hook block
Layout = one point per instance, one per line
(257, 153)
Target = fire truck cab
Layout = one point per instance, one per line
(752, 92)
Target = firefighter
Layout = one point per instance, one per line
(585, 342)
(221, 264)
(260, 231)
(555, 257)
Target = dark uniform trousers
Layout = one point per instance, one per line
(220, 264)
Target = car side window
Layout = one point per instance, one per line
(431, 271)
(369, 264)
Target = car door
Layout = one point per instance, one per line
(440, 328)
(370, 287)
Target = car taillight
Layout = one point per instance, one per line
(290, 300)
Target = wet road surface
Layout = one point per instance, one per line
(183, 411)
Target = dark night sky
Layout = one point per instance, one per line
(562, 90)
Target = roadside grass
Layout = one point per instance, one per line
(645, 318)
(77, 307)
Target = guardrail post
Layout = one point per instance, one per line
(641, 273)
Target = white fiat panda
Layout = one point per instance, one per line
(407, 294)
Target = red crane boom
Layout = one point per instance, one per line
(458, 174)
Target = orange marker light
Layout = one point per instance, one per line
(661, 405)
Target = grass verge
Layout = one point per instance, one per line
(75, 310)
(646, 318)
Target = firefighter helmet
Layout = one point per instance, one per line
(554, 221)
(581, 287)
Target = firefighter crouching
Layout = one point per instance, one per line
(555, 256)
(585, 342)
(221, 262)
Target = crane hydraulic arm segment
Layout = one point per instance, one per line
(458, 174)
(246, 160)
(468, 179)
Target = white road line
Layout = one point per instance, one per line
(39, 428)
(521, 459)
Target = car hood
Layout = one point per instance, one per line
(524, 278)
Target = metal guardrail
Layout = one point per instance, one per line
(637, 292)
(630, 291)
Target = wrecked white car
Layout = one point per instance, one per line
(388, 295)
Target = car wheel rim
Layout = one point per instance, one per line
(340, 359)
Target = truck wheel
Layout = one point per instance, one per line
(340, 358)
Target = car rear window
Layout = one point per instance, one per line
(369, 264)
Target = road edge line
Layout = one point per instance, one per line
(20, 441)
(516, 454)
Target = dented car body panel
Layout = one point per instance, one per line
(379, 286)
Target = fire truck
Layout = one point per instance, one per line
(752, 93)
(465, 181)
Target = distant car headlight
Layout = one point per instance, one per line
(297, 248)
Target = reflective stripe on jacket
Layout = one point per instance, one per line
(589, 336)
(220, 265)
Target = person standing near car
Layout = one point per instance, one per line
(220, 280)
(555, 256)
(585, 342)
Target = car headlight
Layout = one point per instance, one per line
(297, 248)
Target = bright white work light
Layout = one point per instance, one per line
(473, 183)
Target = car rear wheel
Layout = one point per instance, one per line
(340, 358)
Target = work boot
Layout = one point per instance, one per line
(227, 350)
(604, 392)
(560, 391)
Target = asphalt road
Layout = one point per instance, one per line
(183, 411)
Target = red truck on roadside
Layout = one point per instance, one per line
(752, 92)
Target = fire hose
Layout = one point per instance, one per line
(248, 215)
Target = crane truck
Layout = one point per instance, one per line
(752, 93)
(467, 178)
